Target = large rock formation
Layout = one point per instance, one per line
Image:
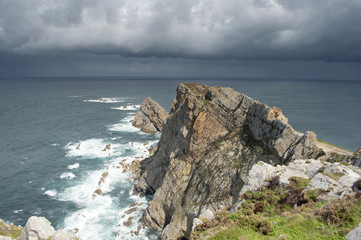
(39, 228)
(151, 117)
(335, 179)
(212, 138)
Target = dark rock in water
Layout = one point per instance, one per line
(151, 117)
(212, 138)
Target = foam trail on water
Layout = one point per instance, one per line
(97, 195)
(93, 148)
(51, 193)
(124, 125)
(106, 100)
(75, 165)
(127, 108)
(67, 175)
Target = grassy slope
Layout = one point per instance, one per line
(285, 214)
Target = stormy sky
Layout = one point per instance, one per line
(318, 39)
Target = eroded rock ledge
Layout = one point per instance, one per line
(151, 117)
(212, 138)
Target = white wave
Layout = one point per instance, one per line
(93, 148)
(54, 144)
(74, 96)
(97, 211)
(127, 108)
(17, 210)
(75, 165)
(105, 100)
(99, 216)
(67, 175)
(51, 193)
(124, 125)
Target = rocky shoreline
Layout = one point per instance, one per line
(218, 150)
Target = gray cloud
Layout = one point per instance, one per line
(304, 30)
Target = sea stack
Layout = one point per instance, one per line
(151, 117)
(212, 138)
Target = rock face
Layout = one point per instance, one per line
(151, 117)
(355, 158)
(335, 179)
(39, 228)
(212, 138)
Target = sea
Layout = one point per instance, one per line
(54, 134)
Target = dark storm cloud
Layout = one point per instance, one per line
(306, 30)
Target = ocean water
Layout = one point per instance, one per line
(54, 130)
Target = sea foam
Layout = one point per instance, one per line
(51, 193)
(93, 148)
(75, 165)
(127, 108)
(67, 175)
(106, 100)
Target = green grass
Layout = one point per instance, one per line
(265, 214)
(295, 227)
(334, 176)
(10, 230)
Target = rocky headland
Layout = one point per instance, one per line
(151, 117)
(210, 146)
(230, 167)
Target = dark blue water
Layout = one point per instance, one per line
(43, 120)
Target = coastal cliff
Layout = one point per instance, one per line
(212, 138)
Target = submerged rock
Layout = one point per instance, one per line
(212, 138)
(151, 117)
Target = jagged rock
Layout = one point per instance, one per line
(107, 147)
(62, 235)
(37, 228)
(151, 117)
(355, 158)
(207, 215)
(258, 176)
(355, 234)
(300, 168)
(337, 180)
(261, 173)
(212, 138)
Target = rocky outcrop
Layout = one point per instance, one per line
(39, 228)
(355, 158)
(212, 138)
(335, 179)
(151, 117)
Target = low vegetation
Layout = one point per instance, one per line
(10, 230)
(285, 213)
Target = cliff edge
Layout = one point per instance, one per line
(212, 138)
